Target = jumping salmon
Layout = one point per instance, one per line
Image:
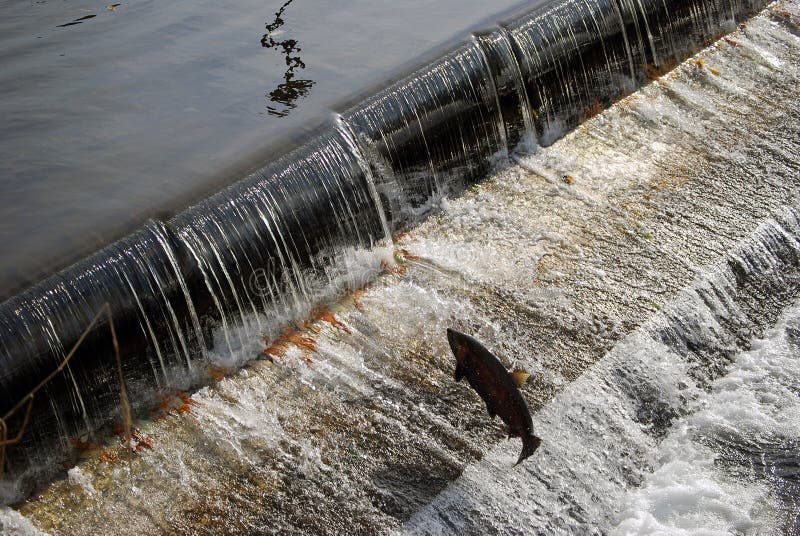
(497, 387)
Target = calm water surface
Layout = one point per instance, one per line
(116, 112)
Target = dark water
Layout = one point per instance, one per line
(112, 113)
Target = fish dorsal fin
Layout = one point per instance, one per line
(520, 377)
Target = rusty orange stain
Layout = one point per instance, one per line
(139, 441)
(401, 236)
(655, 71)
(326, 315)
(278, 348)
(108, 456)
(392, 269)
(178, 403)
(186, 402)
(406, 254)
(217, 373)
(357, 295)
(595, 108)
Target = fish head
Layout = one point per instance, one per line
(459, 343)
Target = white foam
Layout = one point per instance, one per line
(12, 523)
(688, 495)
(80, 479)
(688, 492)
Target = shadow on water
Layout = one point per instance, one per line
(401, 489)
(291, 89)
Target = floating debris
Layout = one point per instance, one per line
(76, 21)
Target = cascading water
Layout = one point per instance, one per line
(203, 289)
(431, 134)
(655, 382)
(281, 230)
(142, 280)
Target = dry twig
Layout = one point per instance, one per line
(29, 398)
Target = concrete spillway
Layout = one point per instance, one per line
(278, 243)
(644, 268)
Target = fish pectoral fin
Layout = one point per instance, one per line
(520, 377)
(460, 372)
(491, 411)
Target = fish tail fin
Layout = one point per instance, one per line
(529, 445)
